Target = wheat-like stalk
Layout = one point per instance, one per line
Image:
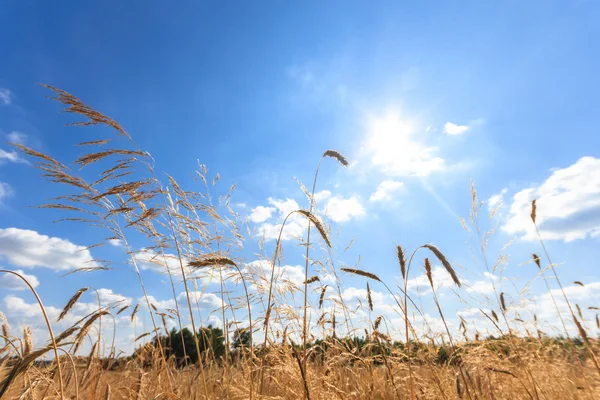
(123, 309)
(401, 261)
(311, 217)
(86, 327)
(495, 315)
(135, 310)
(536, 259)
(5, 327)
(428, 271)
(210, 260)
(361, 273)
(322, 296)
(369, 298)
(377, 322)
(335, 154)
(440, 256)
(27, 341)
(71, 302)
(502, 302)
(143, 335)
(66, 333)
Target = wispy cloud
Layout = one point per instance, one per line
(5, 191)
(17, 137)
(455, 129)
(11, 156)
(5, 96)
(385, 190)
(495, 201)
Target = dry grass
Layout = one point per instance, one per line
(127, 198)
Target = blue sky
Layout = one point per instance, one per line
(421, 98)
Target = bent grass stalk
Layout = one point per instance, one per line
(48, 326)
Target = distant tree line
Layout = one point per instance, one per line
(180, 347)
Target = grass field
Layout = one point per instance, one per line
(284, 354)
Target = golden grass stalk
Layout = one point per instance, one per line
(210, 260)
(312, 218)
(533, 210)
(322, 296)
(577, 323)
(335, 154)
(428, 271)
(54, 347)
(440, 256)
(135, 310)
(502, 302)
(66, 333)
(76, 106)
(143, 335)
(5, 327)
(86, 327)
(71, 302)
(401, 260)
(342, 160)
(27, 341)
(369, 298)
(123, 309)
(377, 322)
(301, 367)
(360, 272)
(495, 315)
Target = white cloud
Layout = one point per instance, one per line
(159, 304)
(115, 242)
(107, 296)
(568, 204)
(441, 279)
(10, 281)
(455, 129)
(292, 229)
(5, 96)
(28, 249)
(294, 226)
(322, 195)
(261, 214)
(484, 287)
(385, 190)
(20, 312)
(11, 156)
(286, 273)
(17, 137)
(395, 148)
(342, 210)
(5, 191)
(495, 201)
(337, 209)
(284, 206)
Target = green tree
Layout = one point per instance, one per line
(241, 338)
(211, 344)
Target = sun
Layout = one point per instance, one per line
(395, 145)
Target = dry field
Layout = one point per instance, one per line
(116, 189)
